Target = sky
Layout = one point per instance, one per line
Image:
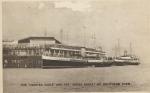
(106, 20)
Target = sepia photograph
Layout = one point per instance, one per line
(76, 46)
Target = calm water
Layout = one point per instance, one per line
(136, 78)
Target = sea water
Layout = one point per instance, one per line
(115, 78)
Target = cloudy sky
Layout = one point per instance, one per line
(109, 20)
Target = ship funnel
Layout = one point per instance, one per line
(125, 53)
(83, 52)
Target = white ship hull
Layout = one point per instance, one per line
(125, 62)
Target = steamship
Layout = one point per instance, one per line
(126, 59)
(73, 57)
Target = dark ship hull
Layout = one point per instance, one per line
(51, 63)
(72, 64)
(124, 63)
(78, 64)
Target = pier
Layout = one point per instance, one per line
(27, 52)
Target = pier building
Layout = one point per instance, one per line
(27, 53)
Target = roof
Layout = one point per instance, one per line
(44, 38)
(74, 47)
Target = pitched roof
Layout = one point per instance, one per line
(44, 38)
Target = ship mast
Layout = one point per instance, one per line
(61, 35)
(130, 48)
(84, 37)
(45, 35)
(94, 40)
(115, 52)
(66, 36)
(118, 47)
